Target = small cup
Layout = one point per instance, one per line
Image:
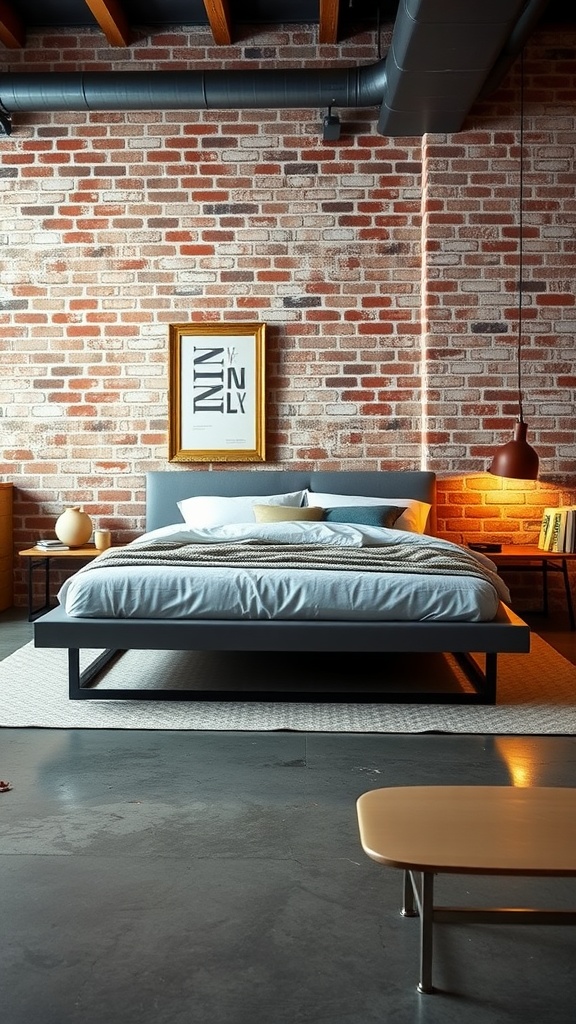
(102, 539)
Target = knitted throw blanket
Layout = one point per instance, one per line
(390, 558)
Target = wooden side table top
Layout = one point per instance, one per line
(499, 830)
(86, 551)
(524, 552)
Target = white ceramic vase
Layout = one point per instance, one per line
(74, 527)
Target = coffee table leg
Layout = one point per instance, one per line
(408, 909)
(426, 925)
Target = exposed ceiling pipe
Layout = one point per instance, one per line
(442, 54)
(194, 90)
(441, 58)
(520, 33)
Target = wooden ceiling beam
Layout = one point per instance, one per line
(112, 20)
(12, 31)
(328, 21)
(218, 13)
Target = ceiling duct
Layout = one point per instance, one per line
(522, 31)
(193, 90)
(441, 58)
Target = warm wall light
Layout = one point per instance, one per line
(517, 459)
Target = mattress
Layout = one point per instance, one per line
(172, 591)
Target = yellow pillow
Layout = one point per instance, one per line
(284, 514)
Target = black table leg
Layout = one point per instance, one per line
(569, 603)
(33, 612)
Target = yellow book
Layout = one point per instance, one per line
(545, 526)
(559, 530)
(555, 541)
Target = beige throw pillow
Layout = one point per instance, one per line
(284, 514)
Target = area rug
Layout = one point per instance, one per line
(537, 693)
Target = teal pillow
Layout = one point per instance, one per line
(364, 515)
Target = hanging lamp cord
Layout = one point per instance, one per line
(521, 240)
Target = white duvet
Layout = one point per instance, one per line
(159, 592)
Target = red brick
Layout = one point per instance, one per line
(105, 265)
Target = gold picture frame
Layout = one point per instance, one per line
(216, 392)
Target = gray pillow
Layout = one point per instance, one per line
(364, 515)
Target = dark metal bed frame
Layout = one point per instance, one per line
(506, 633)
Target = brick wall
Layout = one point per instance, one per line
(384, 268)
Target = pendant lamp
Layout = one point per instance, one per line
(517, 460)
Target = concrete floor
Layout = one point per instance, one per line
(187, 878)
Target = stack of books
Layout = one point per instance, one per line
(51, 545)
(558, 529)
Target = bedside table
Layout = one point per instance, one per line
(40, 558)
(530, 558)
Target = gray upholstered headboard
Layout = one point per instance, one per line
(165, 488)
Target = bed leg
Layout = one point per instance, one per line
(73, 672)
(484, 682)
(490, 674)
(79, 682)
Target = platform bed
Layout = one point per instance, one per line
(505, 633)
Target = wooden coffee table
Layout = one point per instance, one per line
(473, 830)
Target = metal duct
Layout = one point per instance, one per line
(520, 33)
(194, 90)
(440, 58)
(443, 56)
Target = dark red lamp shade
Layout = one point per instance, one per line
(516, 460)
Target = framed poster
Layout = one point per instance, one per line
(216, 392)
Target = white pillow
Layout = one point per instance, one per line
(413, 520)
(212, 510)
